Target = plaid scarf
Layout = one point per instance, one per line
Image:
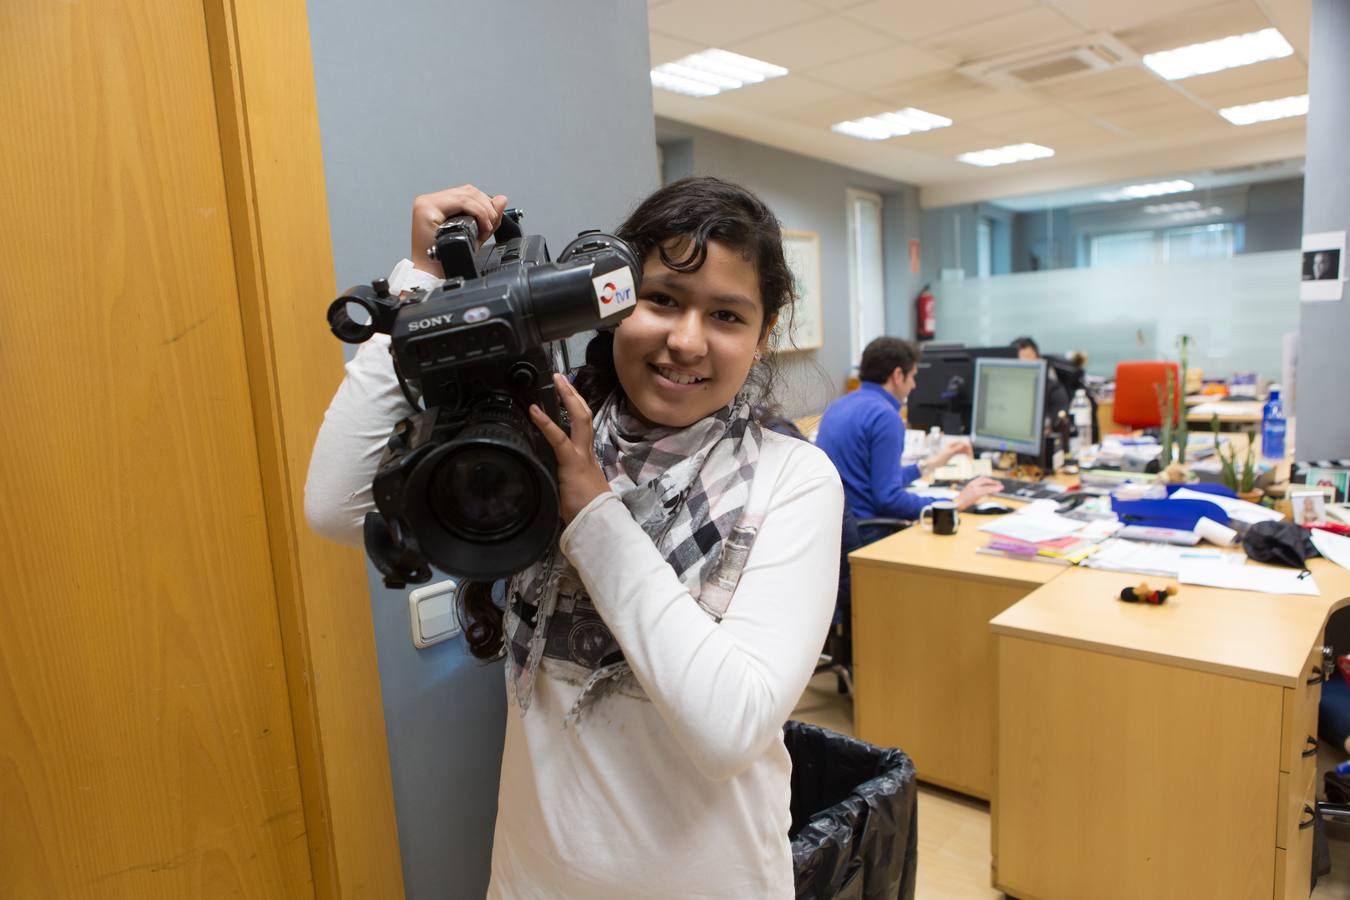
(688, 489)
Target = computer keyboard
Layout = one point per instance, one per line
(1028, 490)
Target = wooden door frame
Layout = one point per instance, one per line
(278, 214)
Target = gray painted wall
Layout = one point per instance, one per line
(1323, 365)
(950, 239)
(550, 104)
(809, 194)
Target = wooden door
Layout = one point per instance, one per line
(153, 642)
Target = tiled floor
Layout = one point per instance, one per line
(954, 830)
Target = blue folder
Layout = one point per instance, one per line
(1179, 514)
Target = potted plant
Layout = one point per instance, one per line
(1175, 434)
(1240, 476)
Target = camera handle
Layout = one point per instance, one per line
(456, 247)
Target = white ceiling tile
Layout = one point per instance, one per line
(1091, 85)
(1195, 26)
(781, 94)
(665, 48)
(838, 5)
(885, 67)
(815, 42)
(1156, 94)
(1145, 118)
(912, 19)
(999, 35)
(968, 104)
(1073, 137)
(716, 23)
(1274, 90)
(951, 141)
(1259, 78)
(1104, 16)
(839, 108)
(1034, 118)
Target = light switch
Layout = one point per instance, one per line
(432, 609)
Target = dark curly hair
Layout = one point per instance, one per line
(674, 224)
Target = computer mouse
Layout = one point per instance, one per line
(989, 509)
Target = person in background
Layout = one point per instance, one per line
(863, 436)
(1056, 395)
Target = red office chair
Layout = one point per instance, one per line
(1137, 386)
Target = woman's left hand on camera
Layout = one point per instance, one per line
(580, 479)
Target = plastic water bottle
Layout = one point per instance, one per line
(1080, 410)
(934, 443)
(1273, 426)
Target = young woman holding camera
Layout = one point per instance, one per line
(653, 656)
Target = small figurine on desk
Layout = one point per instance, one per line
(1142, 593)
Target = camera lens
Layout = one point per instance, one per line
(484, 492)
(483, 503)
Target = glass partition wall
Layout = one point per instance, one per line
(1120, 272)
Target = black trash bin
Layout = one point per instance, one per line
(855, 816)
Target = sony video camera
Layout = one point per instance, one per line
(468, 483)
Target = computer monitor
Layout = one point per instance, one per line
(1009, 405)
(942, 390)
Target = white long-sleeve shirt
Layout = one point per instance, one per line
(681, 789)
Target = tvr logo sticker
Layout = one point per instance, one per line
(614, 292)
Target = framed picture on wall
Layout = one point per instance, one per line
(802, 249)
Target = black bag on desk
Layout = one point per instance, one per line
(1281, 543)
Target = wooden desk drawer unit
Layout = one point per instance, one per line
(1164, 752)
(1300, 713)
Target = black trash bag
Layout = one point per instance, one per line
(855, 833)
(1281, 543)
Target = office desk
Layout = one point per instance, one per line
(1157, 751)
(1240, 413)
(1240, 418)
(923, 655)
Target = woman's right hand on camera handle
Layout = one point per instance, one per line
(430, 210)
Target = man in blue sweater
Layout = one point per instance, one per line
(864, 437)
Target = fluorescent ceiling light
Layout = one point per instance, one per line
(1193, 214)
(711, 72)
(1012, 153)
(1266, 110)
(1155, 189)
(1180, 206)
(1215, 56)
(891, 124)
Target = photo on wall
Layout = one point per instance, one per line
(1323, 266)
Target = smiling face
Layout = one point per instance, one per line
(689, 344)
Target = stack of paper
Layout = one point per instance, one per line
(1333, 546)
(1066, 551)
(1266, 579)
(1033, 527)
(1156, 559)
(1227, 408)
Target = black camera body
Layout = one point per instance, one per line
(468, 483)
